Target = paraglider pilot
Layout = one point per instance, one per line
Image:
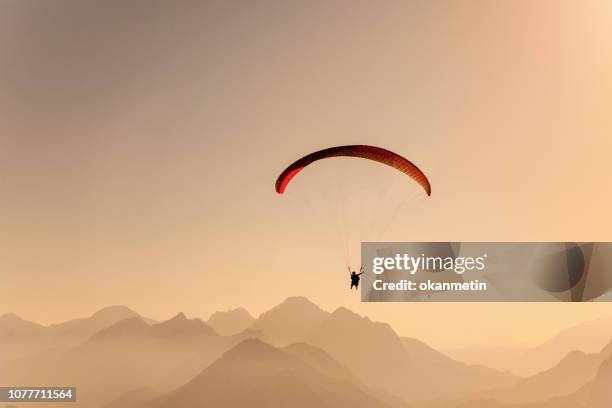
(355, 277)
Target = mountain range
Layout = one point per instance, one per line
(20, 337)
(295, 354)
(589, 337)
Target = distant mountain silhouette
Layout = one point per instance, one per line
(181, 327)
(422, 350)
(595, 394)
(567, 378)
(406, 367)
(177, 329)
(131, 328)
(320, 360)
(497, 357)
(231, 322)
(327, 365)
(370, 349)
(256, 374)
(76, 331)
(21, 338)
(128, 355)
(100, 319)
(250, 334)
(600, 391)
(291, 320)
(588, 337)
(18, 337)
(11, 324)
(607, 350)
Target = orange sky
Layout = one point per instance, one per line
(140, 141)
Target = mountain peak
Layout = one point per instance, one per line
(116, 312)
(252, 353)
(345, 312)
(239, 311)
(180, 325)
(347, 316)
(274, 377)
(11, 317)
(607, 350)
(253, 344)
(231, 322)
(11, 320)
(297, 299)
(251, 333)
(290, 320)
(574, 355)
(114, 309)
(295, 302)
(179, 317)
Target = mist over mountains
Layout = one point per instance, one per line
(589, 337)
(295, 354)
(20, 337)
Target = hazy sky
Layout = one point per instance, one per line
(140, 142)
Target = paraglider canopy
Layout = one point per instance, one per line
(361, 151)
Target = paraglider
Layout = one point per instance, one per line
(362, 151)
(373, 153)
(355, 277)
